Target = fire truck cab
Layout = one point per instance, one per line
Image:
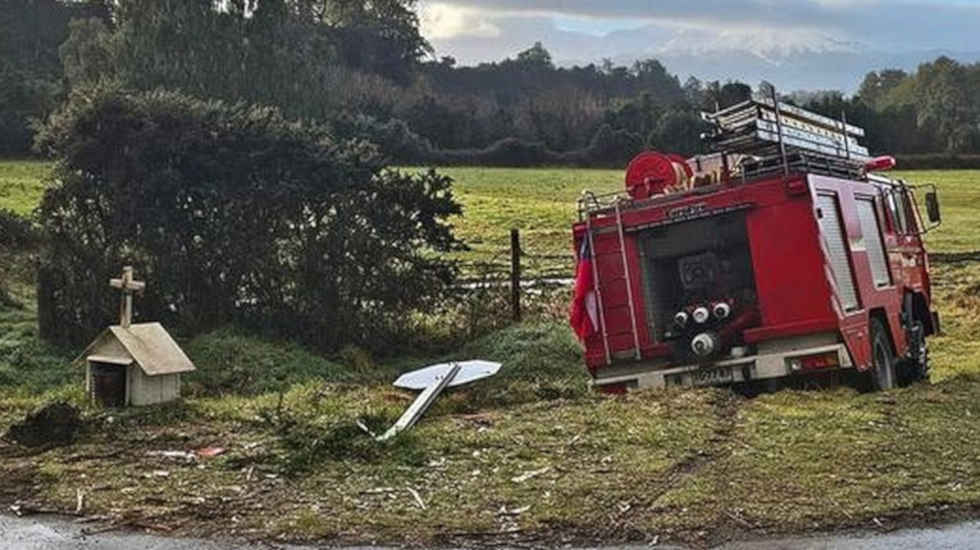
(781, 254)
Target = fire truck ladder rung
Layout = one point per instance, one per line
(629, 285)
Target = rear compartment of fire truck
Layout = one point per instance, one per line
(733, 287)
(704, 263)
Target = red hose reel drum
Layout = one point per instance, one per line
(652, 173)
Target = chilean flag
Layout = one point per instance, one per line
(584, 316)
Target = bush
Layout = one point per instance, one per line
(232, 213)
(394, 138)
(16, 232)
(611, 147)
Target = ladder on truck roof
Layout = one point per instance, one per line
(630, 302)
(769, 130)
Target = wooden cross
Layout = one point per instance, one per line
(128, 286)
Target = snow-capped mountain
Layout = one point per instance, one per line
(792, 60)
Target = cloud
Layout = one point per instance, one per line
(887, 23)
(795, 43)
(442, 21)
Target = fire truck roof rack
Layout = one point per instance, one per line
(801, 162)
(766, 127)
(764, 138)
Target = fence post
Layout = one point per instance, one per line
(515, 273)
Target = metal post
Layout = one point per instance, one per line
(779, 128)
(515, 273)
(629, 283)
(847, 146)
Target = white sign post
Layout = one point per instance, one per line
(433, 380)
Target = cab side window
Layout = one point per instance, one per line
(897, 204)
(912, 223)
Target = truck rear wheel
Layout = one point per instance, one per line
(915, 368)
(883, 358)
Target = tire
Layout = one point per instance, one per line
(883, 375)
(916, 367)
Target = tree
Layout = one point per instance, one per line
(719, 96)
(235, 214)
(378, 36)
(535, 57)
(30, 69)
(877, 85)
(945, 107)
(677, 131)
(87, 55)
(694, 91)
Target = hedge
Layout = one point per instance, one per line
(230, 212)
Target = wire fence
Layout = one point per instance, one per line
(525, 274)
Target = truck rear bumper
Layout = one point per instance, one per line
(774, 364)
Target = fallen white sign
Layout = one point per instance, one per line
(469, 371)
(432, 380)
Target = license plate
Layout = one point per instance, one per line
(710, 377)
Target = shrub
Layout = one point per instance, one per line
(394, 138)
(16, 232)
(611, 147)
(233, 213)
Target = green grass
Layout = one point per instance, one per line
(697, 466)
(959, 197)
(22, 184)
(539, 202)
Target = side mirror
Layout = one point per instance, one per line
(932, 207)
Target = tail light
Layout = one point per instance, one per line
(817, 361)
(618, 388)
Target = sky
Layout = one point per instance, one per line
(583, 31)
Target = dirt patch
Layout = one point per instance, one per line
(54, 425)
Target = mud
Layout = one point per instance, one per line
(53, 425)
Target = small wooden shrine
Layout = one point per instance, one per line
(133, 364)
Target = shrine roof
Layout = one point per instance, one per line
(147, 344)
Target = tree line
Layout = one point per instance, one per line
(363, 69)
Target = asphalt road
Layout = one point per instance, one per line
(47, 533)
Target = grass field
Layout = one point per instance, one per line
(530, 457)
(22, 184)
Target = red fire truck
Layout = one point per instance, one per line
(783, 253)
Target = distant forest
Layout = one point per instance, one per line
(362, 68)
